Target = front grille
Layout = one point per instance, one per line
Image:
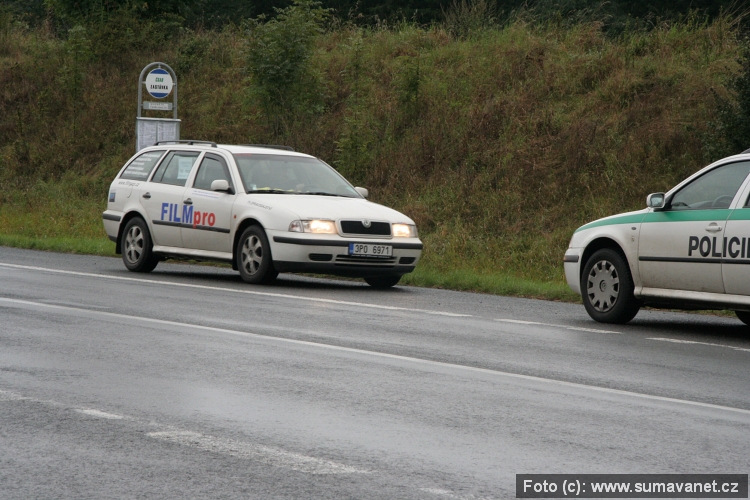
(320, 257)
(357, 227)
(352, 260)
(407, 260)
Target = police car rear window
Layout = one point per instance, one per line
(140, 168)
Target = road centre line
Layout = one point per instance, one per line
(448, 494)
(239, 449)
(256, 452)
(567, 327)
(234, 290)
(100, 414)
(678, 341)
(408, 359)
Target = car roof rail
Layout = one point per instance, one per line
(270, 146)
(188, 142)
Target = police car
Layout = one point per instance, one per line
(264, 209)
(689, 249)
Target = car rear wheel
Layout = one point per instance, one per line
(607, 288)
(743, 316)
(254, 257)
(382, 281)
(137, 247)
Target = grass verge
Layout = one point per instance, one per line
(89, 246)
(424, 276)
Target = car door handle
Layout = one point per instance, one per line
(713, 228)
(187, 202)
(147, 195)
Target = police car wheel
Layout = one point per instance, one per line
(382, 281)
(607, 288)
(136, 247)
(743, 316)
(254, 257)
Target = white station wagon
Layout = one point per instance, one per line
(690, 249)
(264, 209)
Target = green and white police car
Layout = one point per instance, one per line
(689, 249)
(263, 209)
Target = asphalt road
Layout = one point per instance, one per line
(188, 383)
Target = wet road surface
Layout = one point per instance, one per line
(189, 383)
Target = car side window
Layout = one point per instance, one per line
(140, 168)
(212, 168)
(176, 167)
(713, 190)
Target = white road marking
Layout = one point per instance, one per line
(449, 494)
(566, 327)
(10, 396)
(419, 361)
(100, 414)
(234, 290)
(256, 452)
(678, 341)
(249, 451)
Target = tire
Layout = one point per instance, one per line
(382, 282)
(137, 247)
(254, 257)
(607, 288)
(743, 316)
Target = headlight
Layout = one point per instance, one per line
(313, 226)
(404, 231)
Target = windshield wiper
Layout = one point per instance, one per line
(270, 191)
(321, 193)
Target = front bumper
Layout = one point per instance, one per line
(293, 252)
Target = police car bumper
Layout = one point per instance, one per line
(111, 221)
(330, 255)
(572, 265)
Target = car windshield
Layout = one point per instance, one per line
(264, 173)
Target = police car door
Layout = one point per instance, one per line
(735, 264)
(681, 246)
(208, 213)
(162, 197)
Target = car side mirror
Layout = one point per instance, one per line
(220, 185)
(362, 191)
(655, 200)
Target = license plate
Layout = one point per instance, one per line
(370, 250)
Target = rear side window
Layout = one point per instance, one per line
(140, 168)
(176, 168)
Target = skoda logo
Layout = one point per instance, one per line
(366, 223)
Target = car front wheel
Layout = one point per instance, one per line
(254, 257)
(136, 247)
(607, 288)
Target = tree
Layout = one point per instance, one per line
(732, 129)
(279, 51)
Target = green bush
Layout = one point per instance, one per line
(731, 134)
(281, 78)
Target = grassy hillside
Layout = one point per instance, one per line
(498, 143)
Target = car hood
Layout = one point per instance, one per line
(329, 207)
(581, 235)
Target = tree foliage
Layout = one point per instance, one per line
(213, 13)
(278, 61)
(732, 128)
